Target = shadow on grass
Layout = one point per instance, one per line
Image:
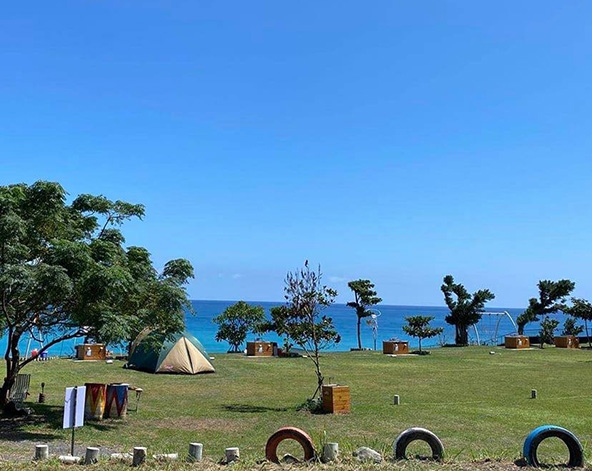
(250, 409)
(14, 428)
(521, 462)
(47, 418)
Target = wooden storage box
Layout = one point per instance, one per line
(517, 341)
(391, 348)
(91, 351)
(260, 349)
(336, 399)
(567, 341)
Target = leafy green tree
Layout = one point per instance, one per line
(419, 326)
(465, 309)
(580, 309)
(570, 327)
(65, 273)
(547, 332)
(551, 299)
(364, 298)
(302, 320)
(280, 324)
(236, 322)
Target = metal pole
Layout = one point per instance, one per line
(373, 324)
(75, 393)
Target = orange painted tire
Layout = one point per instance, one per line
(289, 433)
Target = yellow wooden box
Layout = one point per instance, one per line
(517, 341)
(336, 399)
(91, 351)
(567, 341)
(259, 349)
(392, 348)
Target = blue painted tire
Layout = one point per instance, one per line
(534, 439)
(417, 433)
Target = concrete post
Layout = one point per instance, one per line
(92, 455)
(139, 455)
(195, 451)
(41, 452)
(396, 400)
(330, 452)
(232, 454)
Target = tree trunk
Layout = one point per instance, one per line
(314, 356)
(359, 333)
(521, 328)
(462, 335)
(419, 344)
(235, 348)
(320, 379)
(4, 393)
(9, 380)
(12, 358)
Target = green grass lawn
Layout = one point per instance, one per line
(477, 403)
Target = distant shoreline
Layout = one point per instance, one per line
(230, 301)
(389, 321)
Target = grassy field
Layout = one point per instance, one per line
(478, 403)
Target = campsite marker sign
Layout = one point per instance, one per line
(74, 410)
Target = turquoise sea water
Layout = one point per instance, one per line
(389, 320)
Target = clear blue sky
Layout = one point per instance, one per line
(385, 140)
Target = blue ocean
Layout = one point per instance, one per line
(386, 324)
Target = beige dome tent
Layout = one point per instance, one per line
(180, 354)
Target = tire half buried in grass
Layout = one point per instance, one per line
(534, 439)
(417, 433)
(289, 433)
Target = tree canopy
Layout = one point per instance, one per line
(301, 319)
(570, 327)
(364, 298)
(237, 321)
(580, 309)
(551, 299)
(419, 326)
(465, 309)
(65, 273)
(547, 331)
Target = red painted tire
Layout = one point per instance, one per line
(289, 433)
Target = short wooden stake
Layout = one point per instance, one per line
(92, 455)
(397, 400)
(232, 454)
(330, 452)
(41, 452)
(195, 451)
(139, 455)
(533, 393)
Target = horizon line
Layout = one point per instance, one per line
(345, 304)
